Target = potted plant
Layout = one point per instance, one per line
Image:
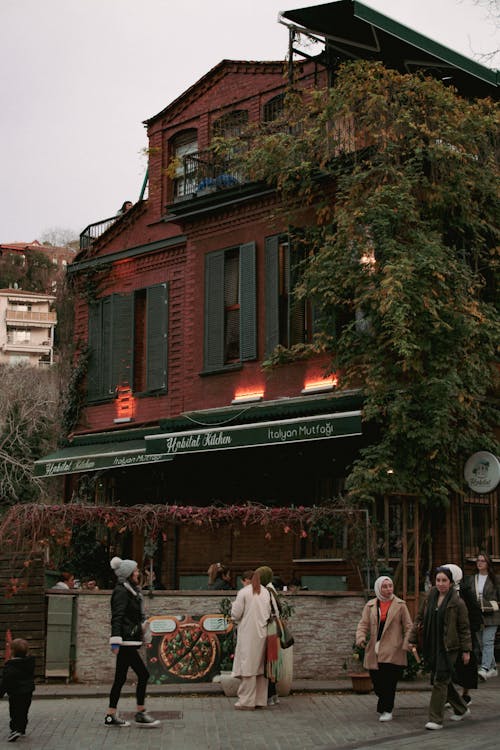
(360, 678)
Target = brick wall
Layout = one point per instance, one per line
(323, 626)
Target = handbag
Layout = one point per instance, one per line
(285, 636)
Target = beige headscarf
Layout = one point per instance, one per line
(376, 587)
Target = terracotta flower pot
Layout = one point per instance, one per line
(361, 682)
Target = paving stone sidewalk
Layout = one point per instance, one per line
(324, 719)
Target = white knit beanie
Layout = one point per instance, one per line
(123, 568)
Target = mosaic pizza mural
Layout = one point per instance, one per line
(189, 649)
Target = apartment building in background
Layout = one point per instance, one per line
(27, 323)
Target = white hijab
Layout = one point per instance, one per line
(376, 587)
(456, 573)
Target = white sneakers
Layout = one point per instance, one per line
(453, 717)
(386, 716)
(485, 674)
(459, 717)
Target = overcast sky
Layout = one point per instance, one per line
(78, 77)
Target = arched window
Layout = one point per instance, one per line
(231, 124)
(183, 148)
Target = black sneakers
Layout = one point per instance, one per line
(112, 720)
(14, 735)
(143, 719)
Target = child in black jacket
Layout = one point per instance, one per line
(18, 682)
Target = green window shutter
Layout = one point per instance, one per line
(248, 312)
(271, 291)
(156, 337)
(94, 342)
(214, 310)
(122, 338)
(106, 346)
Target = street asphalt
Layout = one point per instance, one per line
(320, 715)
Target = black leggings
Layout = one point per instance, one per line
(128, 656)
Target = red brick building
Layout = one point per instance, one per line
(182, 298)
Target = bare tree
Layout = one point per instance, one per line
(59, 237)
(492, 14)
(28, 414)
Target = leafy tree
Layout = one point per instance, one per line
(32, 272)
(395, 178)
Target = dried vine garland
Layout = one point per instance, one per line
(31, 525)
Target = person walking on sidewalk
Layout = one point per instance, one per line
(19, 683)
(251, 611)
(383, 632)
(127, 618)
(444, 619)
(466, 674)
(485, 587)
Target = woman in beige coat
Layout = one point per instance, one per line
(383, 631)
(251, 611)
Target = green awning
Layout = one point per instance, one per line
(354, 30)
(96, 456)
(277, 432)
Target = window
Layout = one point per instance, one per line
(481, 525)
(231, 124)
(128, 342)
(289, 320)
(183, 145)
(274, 108)
(18, 336)
(230, 307)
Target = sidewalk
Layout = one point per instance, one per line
(318, 715)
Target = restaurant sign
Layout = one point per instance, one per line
(297, 430)
(51, 467)
(482, 472)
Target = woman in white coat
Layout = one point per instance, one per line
(251, 611)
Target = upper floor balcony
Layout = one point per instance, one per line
(92, 232)
(204, 172)
(31, 317)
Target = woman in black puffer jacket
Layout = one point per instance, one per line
(127, 618)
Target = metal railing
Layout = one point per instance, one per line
(93, 231)
(204, 172)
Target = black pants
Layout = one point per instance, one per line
(385, 680)
(128, 656)
(19, 705)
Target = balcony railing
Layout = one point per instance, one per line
(27, 346)
(93, 231)
(30, 316)
(204, 172)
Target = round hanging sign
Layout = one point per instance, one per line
(482, 472)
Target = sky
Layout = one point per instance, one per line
(79, 77)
